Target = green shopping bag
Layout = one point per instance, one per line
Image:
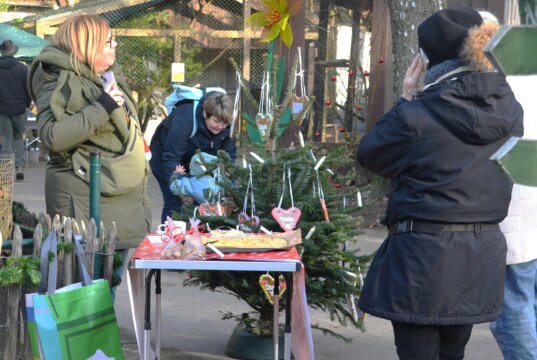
(77, 321)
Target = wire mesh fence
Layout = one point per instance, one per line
(7, 176)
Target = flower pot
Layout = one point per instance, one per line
(242, 344)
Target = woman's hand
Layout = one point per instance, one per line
(115, 93)
(410, 83)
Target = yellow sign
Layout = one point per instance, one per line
(178, 72)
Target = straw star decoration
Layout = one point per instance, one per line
(274, 17)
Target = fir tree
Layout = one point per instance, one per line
(331, 270)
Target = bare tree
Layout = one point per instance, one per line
(405, 16)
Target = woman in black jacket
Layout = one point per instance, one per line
(442, 267)
(174, 142)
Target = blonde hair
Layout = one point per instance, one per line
(84, 37)
(220, 106)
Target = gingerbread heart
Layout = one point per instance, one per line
(264, 123)
(287, 219)
(248, 223)
(207, 209)
(267, 285)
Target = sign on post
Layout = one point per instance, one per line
(513, 51)
(178, 72)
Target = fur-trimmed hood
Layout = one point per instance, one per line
(472, 52)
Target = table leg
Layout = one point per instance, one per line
(289, 295)
(147, 314)
(275, 320)
(158, 291)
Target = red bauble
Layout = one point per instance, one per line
(350, 87)
(328, 102)
(317, 134)
(381, 59)
(351, 72)
(366, 73)
(338, 185)
(341, 129)
(334, 78)
(359, 107)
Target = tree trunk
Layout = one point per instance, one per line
(405, 17)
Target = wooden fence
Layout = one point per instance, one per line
(14, 343)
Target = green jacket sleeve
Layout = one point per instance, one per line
(73, 129)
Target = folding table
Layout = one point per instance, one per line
(146, 265)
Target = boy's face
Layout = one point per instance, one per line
(214, 124)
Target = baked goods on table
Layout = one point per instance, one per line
(238, 241)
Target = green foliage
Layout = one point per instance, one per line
(23, 270)
(146, 61)
(328, 281)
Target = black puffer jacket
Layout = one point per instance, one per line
(171, 144)
(14, 95)
(437, 149)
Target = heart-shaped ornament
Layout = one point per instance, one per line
(207, 209)
(286, 218)
(264, 123)
(248, 223)
(267, 285)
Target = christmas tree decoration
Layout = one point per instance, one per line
(366, 73)
(342, 129)
(334, 77)
(298, 102)
(286, 218)
(381, 59)
(351, 72)
(328, 102)
(249, 222)
(359, 107)
(317, 134)
(264, 118)
(267, 285)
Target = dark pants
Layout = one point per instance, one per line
(430, 342)
(172, 202)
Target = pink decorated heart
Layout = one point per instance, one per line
(287, 218)
(264, 123)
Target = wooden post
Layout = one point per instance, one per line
(318, 82)
(68, 257)
(110, 250)
(10, 349)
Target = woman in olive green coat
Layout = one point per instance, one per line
(79, 112)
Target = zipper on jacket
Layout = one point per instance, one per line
(211, 144)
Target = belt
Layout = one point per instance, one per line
(437, 228)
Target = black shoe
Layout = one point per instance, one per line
(19, 176)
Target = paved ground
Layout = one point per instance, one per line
(192, 326)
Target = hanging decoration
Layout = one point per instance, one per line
(249, 222)
(267, 285)
(273, 17)
(213, 206)
(235, 114)
(286, 218)
(321, 196)
(264, 118)
(299, 101)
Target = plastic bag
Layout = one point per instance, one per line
(193, 248)
(171, 250)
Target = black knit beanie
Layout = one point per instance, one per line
(442, 34)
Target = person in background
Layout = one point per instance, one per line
(81, 106)
(441, 269)
(172, 143)
(14, 101)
